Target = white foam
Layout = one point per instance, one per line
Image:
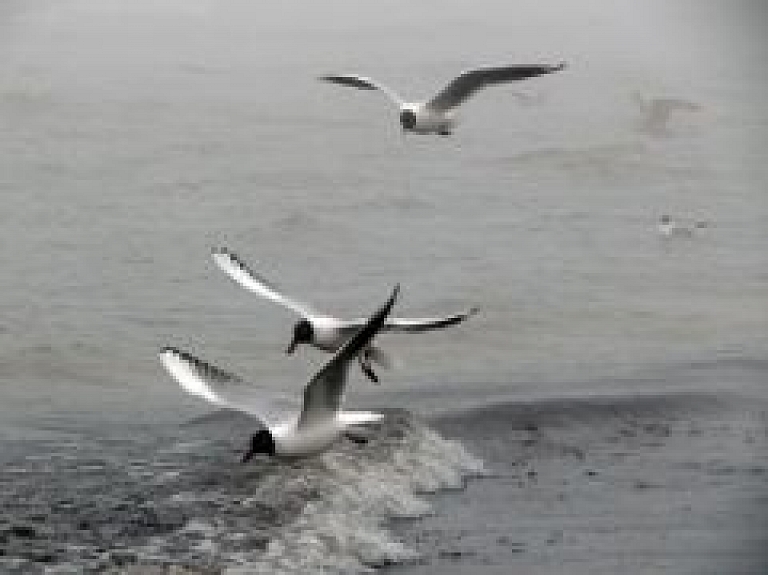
(344, 528)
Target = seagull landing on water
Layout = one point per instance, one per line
(312, 428)
(669, 227)
(323, 331)
(437, 116)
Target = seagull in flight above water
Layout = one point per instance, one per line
(323, 331)
(291, 433)
(437, 116)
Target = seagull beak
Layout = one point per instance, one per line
(291, 348)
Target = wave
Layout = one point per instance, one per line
(147, 504)
(344, 500)
(521, 414)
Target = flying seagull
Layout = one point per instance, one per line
(437, 116)
(323, 331)
(658, 112)
(309, 430)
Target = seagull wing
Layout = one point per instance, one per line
(226, 390)
(471, 81)
(323, 395)
(236, 269)
(362, 83)
(416, 325)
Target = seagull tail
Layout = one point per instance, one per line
(359, 417)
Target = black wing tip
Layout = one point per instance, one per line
(350, 80)
(384, 310)
(541, 68)
(235, 260)
(168, 349)
(224, 251)
(376, 321)
(180, 354)
(201, 366)
(393, 297)
(176, 352)
(232, 257)
(387, 307)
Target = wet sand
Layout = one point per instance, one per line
(672, 484)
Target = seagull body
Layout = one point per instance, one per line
(289, 432)
(438, 115)
(322, 331)
(422, 119)
(328, 333)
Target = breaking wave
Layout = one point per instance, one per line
(144, 505)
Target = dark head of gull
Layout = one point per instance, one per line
(302, 333)
(261, 442)
(407, 119)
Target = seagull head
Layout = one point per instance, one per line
(302, 333)
(261, 442)
(407, 119)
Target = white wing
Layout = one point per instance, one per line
(323, 394)
(362, 83)
(223, 389)
(416, 325)
(467, 83)
(236, 269)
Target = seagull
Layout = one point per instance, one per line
(437, 116)
(323, 331)
(658, 112)
(669, 227)
(288, 433)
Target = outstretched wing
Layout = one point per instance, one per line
(226, 390)
(323, 395)
(236, 269)
(471, 81)
(416, 325)
(362, 83)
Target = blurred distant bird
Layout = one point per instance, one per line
(658, 111)
(321, 330)
(669, 227)
(437, 116)
(288, 432)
